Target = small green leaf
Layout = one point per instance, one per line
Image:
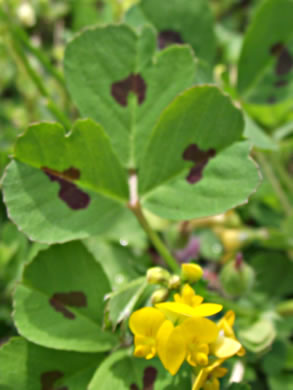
(259, 336)
(266, 61)
(123, 371)
(123, 301)
(73, 184)
(115, 77)
(178, 21)
(59, 303)
(26, 366)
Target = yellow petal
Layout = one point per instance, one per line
(241, 351)
(230, 317)
(171, 347)
(146, 321)
(199, 329)
(182, 310)
(225, 347)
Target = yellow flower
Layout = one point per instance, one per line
(191, 272)
(227, 344)
(187, 305)
(188, 296)
(144, 324)
(186, 341)
(198, 333)
(208, 377)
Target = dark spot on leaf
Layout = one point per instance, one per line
(281, 83)
(200, 159)
(168, 37)
(277, 48)
(134, 387)
(284, 59)
(284, 64)
(149, 377)
(133, 83)
(59, 301)
(49, 378)
(100, 5)
(272, 100)
(74, 197)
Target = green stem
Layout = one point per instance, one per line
(275, 183)
(135, 207)
(52, 107)
(22, 36)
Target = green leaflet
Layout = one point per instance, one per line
(140, 372)
(178, 21)
(115, 77)
(73, 183)
(59, 303)
(266, 61)
(26, 366)
(200, 118)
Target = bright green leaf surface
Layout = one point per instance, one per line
(119, 262)
(99, 57)
(94, 187)
(266, 61)
(48, 321)
(192, 20)
(121, 370)
(26, 366)
(201, 116)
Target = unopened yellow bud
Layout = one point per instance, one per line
(157, 275)
(232, 239)
(191, 272)
(159, 295)
(174, 282)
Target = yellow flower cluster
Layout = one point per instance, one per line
(179, 330)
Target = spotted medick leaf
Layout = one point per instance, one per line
(193, 165)
(116, 77)
(73, 183)
(266, 60)
(59, 303)
(25, 365)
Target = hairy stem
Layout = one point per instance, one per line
(135, 207)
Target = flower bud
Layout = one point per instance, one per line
(237, 277)
(174, 282)
(26, 14)
(191, 273)
(232, 239)
(157, 275)
(159, 295)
